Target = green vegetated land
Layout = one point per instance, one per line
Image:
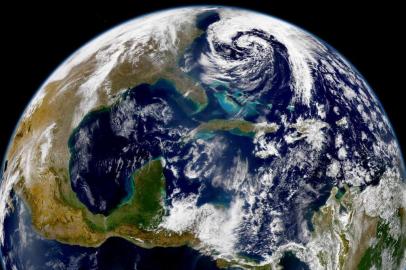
(384, 242)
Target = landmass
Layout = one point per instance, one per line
(235, 126)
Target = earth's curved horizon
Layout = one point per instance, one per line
(210, 137)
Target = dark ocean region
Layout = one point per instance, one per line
(272, 99)
(204, 19)
(289, 261)
(111, 157)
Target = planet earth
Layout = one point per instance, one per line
(204, 138)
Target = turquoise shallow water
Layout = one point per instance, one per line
(227, 103)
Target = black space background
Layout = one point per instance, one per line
(37, 38)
